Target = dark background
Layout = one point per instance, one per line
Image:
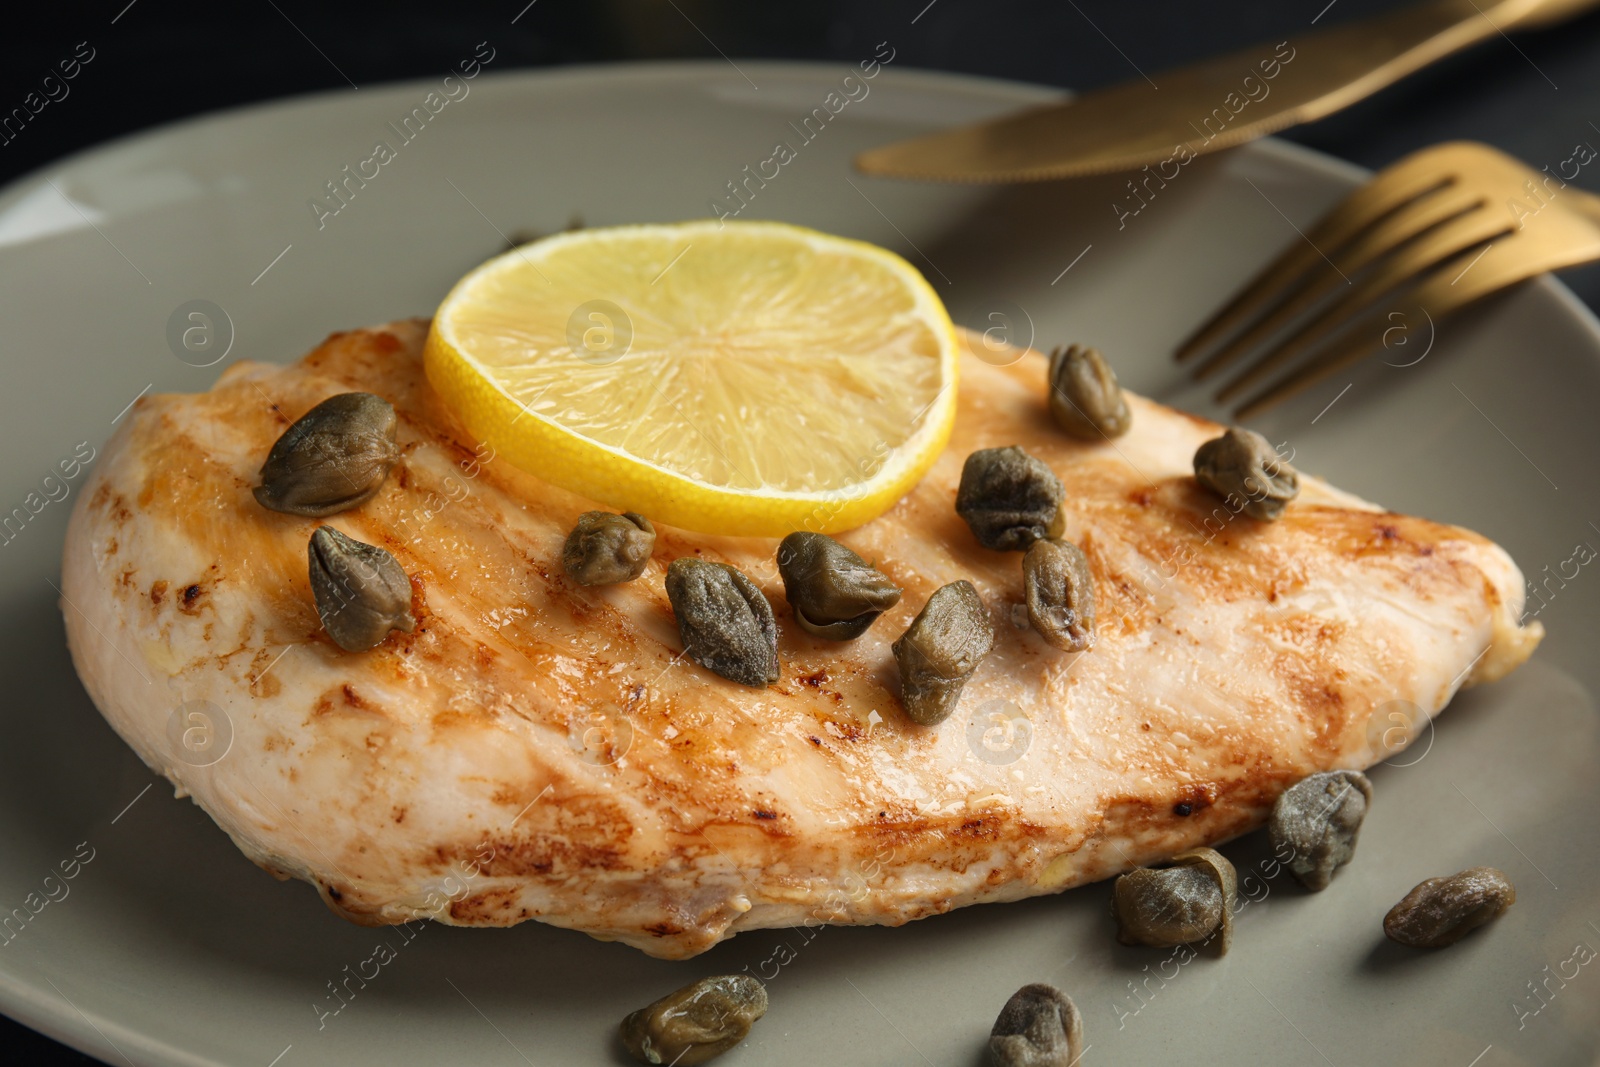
(1534, 94)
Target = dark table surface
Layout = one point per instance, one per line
(1535, 95)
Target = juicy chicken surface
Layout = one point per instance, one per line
(536, 749)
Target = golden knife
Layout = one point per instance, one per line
(1215, 104)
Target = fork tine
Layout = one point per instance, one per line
(1443, 243)
(1364, 338)
(1308, 296)
(1392, 188)
(1406, 223)
(1256, 294)
(1357, 342)
(1441, 294)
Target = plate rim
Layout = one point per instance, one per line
(577, 73)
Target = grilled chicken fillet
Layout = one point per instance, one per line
(535, 749)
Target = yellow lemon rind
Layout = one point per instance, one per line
(610, 476)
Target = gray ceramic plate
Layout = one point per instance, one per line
(168, 947)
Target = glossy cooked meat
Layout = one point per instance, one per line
(536, 749)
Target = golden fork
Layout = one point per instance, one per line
(1436, 231)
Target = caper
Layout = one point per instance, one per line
(361, 590)
(1085, 398)
(835, 593)
(334, 456)
(1242, 466)
(725, 621)
(1441, 911)
(940, 650)
(1318, 818)
(1058, 587)
(1057, 530)
(1190, 901)
(1039, 1027)
(697, 1023)
(1008, 498)
(604, 548)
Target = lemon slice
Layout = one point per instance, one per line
(734, 378)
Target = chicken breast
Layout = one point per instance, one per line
(535, 749)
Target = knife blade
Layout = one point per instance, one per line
(1210, 105)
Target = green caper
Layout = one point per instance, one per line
(1058, 587)
(1039, 1027)
(697, 1023)
(1007, 497)
(938, 653)
(1319, 818)
(1441, 911)
(1057, 530)
(604, 548)
(1241, 466)
(835, 593)
(1193, 900)
(726, 623)
(1085, 398)
(334, 457)
(361, 590)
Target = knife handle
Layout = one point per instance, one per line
(1540, 13)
